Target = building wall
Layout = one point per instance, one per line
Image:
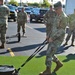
(69, 6)
(54, 1)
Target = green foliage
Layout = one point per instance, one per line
(13, 2)
(36, 4)
(45, 3)
(33, 4)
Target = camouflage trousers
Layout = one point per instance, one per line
(71, 32)
(50, 54)
(3, 33)
(53, 47)
(21, 24)
(48, 29)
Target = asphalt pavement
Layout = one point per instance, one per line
(35, 35)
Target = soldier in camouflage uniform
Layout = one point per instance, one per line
(48, 20)
(4, 12)
(55, 39)
(21, 20)
(71, 20)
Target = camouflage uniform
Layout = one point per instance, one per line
(71, 20)
(4, 12)
(21, 20)
(57, 34)
(56, 37)
(48, 19)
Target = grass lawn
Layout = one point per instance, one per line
(36, 65)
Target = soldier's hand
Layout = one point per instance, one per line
(47, 38)
(50, 40)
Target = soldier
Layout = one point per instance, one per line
(71, 20)
(21, 20)
(4, 12)
(48, 20)
(55, 39)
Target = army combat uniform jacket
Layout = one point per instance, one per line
(48, 20)
(71, 20)
(21, 17)
(4, 12)
(58, 29)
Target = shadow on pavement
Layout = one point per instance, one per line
(12, 42)
(69, 57)
(34, 46)
(62, 49)
(24, 48)
(41, 54)
(41, 29)
(4, 52)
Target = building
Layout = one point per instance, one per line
(69, 6)
(54, 1)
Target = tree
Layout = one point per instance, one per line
(13, 2)
(45, 3)
(33, 4)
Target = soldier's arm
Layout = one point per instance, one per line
(58, 35)
(25, 17)
(60, 31)
(7, 10)
(45, 18)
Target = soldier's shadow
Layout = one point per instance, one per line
(69, 57)
(12, 42)
(61, 49)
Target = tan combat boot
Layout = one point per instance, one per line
(23, 35)
(58, 66)
(46, 72)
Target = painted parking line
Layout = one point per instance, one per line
(10, 51)
(29, 27)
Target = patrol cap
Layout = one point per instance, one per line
(57, 5)
(51, 5)
(23, 7)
